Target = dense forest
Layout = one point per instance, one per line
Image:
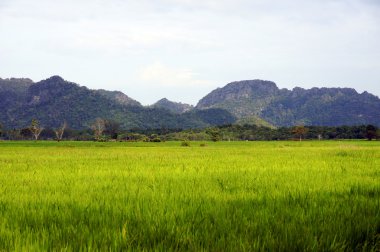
(106, 130)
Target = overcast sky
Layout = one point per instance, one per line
(183, 49)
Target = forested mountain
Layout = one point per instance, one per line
(258, 102)
(259, 99)
(55, 100)
(118, 97)
(175, 107)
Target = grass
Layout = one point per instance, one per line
(226, 196)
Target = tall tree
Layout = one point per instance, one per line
(14, 134)
(59, 131)
(371, 132)
(98, 127)
(36, 128)
(112, 128)
(300, 131)
(215, 134)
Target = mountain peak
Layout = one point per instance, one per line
(163, 100)
(175, 107)
(239, 91)
(253, 84)
(55, 78)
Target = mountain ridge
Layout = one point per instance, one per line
(55, 100)
(283, 107)
(250, 101)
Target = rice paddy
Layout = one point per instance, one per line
(224, 196)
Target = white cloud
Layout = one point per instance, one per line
(162, 75)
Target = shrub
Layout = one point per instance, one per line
(185, 144)
(156, 140)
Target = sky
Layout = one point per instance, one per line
(183, 49)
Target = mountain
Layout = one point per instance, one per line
(55, 100)
(263, 100)
(175, 107)
(243, 98)
(13, 91)
(258, 102)
(14, 84)
(118, 97)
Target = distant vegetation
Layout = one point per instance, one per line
(108, 130)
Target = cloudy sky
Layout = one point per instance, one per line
(183, 49)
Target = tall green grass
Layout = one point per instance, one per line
(237, 196)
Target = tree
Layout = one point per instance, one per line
(112, 128)
(14, 134)
(371, 132)
(23, 133)
(98, 127)
(1, 129)
(35, 128)
(59, 131)
(214, 134)
(300, 131)
(155, 138)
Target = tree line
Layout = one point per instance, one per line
(109, 130)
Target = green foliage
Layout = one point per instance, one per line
(300, 131)
(222, 133)
(154, 138)
(35, 128)
(174, 107)
(254, 120)
(185, 143)
(133, 137)
(111, 128)
(371, 132)
(238, 196)
(214, 133)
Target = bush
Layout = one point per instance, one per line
(185, 144)
(203, 145)
(156, 140)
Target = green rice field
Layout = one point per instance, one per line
(225, 196)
